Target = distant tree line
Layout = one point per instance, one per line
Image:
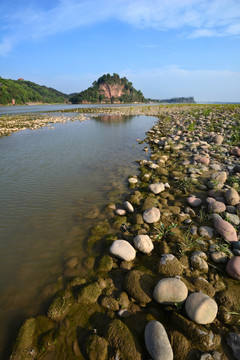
(26, 91)
(175, 100)
(94, 95)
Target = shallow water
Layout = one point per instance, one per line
(50, 179)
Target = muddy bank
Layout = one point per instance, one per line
(163, 269)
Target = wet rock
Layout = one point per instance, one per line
(157, 188)
(201, 308)
(180, 345)
(198, 261)
(194, 201)
(233, 267)
(206, 231)
(123, 250)
(218, 139)
(151, 215)
(226, 230)
(105, 264)
(96, 347)
(204, 340)
(232, 197)
(89, 294)
(157, 342)
(110, 303)
(59, 307)
(139, 286)
(121, 339)
(234, 343)
(170, 291)
(169, 265)
(128, 207)
(26, 344)
(143, 243)
(72, 262)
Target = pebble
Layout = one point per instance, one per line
(123, 250)
(132, 180)
(143, 243)
(235, 151)
(218, 139)
(231, 209)
(234, 342)
(219, 257)
(226, 230)
(206, 231)
(233, 218)
(128, 207)
(194, 201)
(201, 308)
(202, 159)
(236, 245)
(198, 261)
(216, 207)
(151, 215)
(170, 291)
(157, 188)
(232, 197)
(233, 267)
(120, 212)
(157, 342)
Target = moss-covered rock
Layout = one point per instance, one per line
(60, 307)
(180, 345)
(122, 341)
(139, 285)
(105, 264)
(89, 293)
(110, 303)
(149, 202)
(26, 343)
(96, 348)
(97, 232)
(118, 221)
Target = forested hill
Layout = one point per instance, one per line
(23, 92)
(109, 89)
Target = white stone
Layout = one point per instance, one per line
(157, 188)
(143, 243)
(151, 215)
(170, 291)
(132, 180)
(157, 342)
(201, 308)
(123, 250)
(128, 206)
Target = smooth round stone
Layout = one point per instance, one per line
(170, 291)
(132, 180)
(233, 218)
(202, 160)
(236, 252)
(236, 245)
(193, 201)
(143, 243)
(217, 207)
(206, 231)
(232, 197)
(218, 139)
(231, 209)
(235, 151)
(153, 166)
(201, 308)
(128, 206)
(123, 250)
(157, 188)
(120, 212)
(157, 342)
(226, 230)
(233, 267)
(151, 215)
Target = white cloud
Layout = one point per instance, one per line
(197, 18)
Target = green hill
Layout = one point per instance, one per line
(26, 91)
(109, 89)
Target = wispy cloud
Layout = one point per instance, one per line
(32, 19)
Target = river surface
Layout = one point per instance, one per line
(52, 181)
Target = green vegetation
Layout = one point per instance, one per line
(175, 100)
(95, 93)
(26, 91)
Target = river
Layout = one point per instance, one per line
(53, 183)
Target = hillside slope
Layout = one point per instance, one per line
(23, 92)
(109, 89)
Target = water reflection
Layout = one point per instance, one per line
(113, 119)
(54, 187)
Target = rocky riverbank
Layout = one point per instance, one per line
(164, 267)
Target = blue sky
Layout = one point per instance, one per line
(167, 48)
